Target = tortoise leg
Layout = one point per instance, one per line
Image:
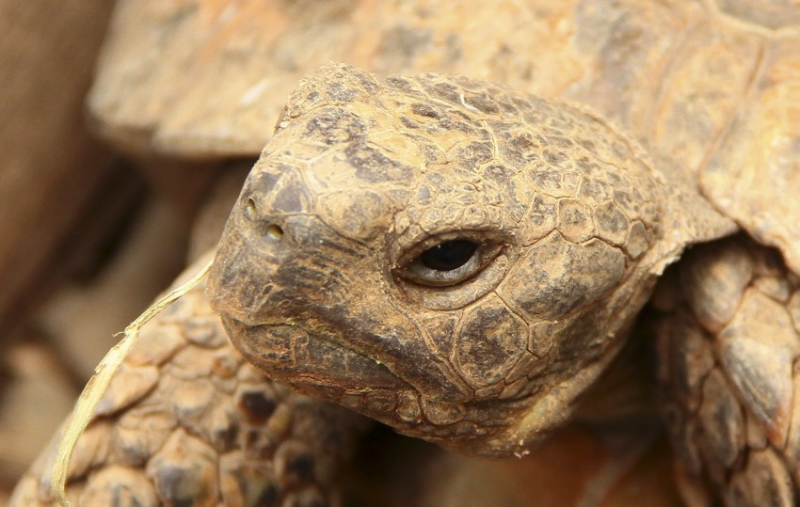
(728, 341)
(186, 421)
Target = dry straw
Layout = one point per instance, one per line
(89, 398)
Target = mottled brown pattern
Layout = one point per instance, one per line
(729, 368)
(186, 421)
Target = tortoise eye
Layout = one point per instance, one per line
(449, 255)
(449, 262)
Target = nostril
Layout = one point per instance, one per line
(250, 210)
(262, 227)
(274, 231)
(269, 231)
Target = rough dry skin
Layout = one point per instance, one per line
(322, 277)
(462, 262)
(186, 421)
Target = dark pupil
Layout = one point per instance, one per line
(449, 255)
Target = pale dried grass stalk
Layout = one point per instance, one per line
(85, 406)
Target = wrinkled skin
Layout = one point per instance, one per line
(321, 280)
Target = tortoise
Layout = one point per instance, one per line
(464, 261)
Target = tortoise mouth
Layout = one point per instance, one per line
(310, 360)
(317, 366)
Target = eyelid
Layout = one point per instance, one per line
(437, 239)
(418, 272)
(412, 270)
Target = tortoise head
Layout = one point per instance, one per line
(450, 258)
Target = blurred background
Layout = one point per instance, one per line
(87, 238)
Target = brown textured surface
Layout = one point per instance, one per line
(187, 420)
(728, 364)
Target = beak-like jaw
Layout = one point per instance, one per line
(288, 332)
(269, 307)
(239, 288)
(289, 306)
